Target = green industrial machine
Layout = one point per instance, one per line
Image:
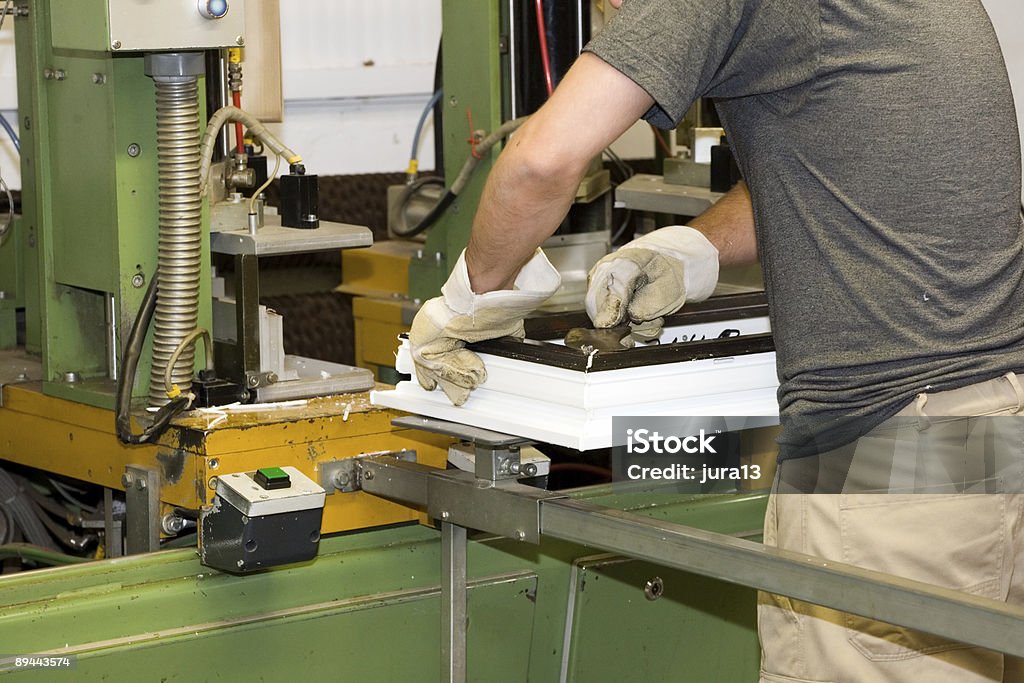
(598, 584)
(85, 244)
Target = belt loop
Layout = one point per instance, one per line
(923, 422)
(1015, 384)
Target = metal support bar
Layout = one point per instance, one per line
(876, 595)
(453, 603)
(456, 497)
(247, 319)
(142, 498)
(113, 529)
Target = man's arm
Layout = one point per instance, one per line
(729, 225)
(533, 183)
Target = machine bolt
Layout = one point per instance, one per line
(172, 524)
(341, 480)
(445, 514)
(271, 377)
(138, 280)
(521, 535)
(134, 150)
(126, 480)
(368, 475)
(71, 377)
(140, 484)
(252, 381)
(48, 74)
(116, 45)
(213, 464)
(654, 588)
(99, 79)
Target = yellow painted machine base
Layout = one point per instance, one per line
(79, 441)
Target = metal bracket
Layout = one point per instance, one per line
(457, 497)
(346, 475)
(142, 498)
(497, 454)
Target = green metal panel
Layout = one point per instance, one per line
(473, 78)
(11, 284)
(367, 609)
(91, 208)
(81, 25)
(712, 625)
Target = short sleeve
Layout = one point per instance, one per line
(679, 50)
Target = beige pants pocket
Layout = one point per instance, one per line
(953, 541)
(775, 678)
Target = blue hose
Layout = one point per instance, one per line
(10, 132)
(419, 128)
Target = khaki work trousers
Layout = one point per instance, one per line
(930, 495)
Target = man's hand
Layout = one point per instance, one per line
(444, 325)
(651, 277)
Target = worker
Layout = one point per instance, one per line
(881, 156)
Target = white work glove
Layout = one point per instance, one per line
(444, 325)
(650, 277)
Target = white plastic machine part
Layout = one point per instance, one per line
(575, 409)
(251, 499)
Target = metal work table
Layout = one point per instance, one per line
(645, 192)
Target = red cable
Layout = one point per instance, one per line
(542, 34)
(236, 99)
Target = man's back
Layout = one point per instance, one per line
(880, 145)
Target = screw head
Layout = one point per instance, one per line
(99, 79)
(213, 463)
(368, 474)
(134, 150)
(126, 480)
(240, 41)
(138, 280)
(654, 588)
(71, 377)
(521, 535)
(252, 381)
(445, 514)
(116, 45)
(140, 484)
(212, 483)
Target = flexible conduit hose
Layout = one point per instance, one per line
(15, 500)
(458, 186)
(180, 241)
(228, 114)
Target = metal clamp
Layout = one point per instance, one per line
(346, 475)
(497, 454)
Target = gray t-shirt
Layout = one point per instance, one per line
(879, 141)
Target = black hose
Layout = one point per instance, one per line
(482, 148)
(132, 354)
(398, 225)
